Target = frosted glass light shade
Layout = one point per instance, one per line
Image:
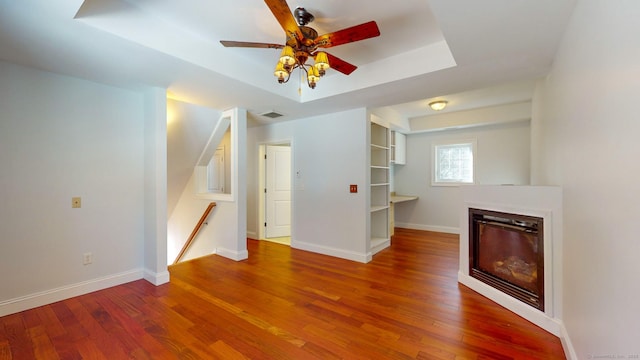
(438, 105)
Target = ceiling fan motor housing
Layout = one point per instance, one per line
(302, 42)
(303, 16)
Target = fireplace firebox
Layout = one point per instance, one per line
(506, 252)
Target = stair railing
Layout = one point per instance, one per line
(194, 232)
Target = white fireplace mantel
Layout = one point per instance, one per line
(539, 201)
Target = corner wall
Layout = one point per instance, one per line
(502, 158)
(586, 141)
(62, 137)
(328, 154)
(225, 231)
(188, 129)
(155, 189)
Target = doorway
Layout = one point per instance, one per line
(275, 187)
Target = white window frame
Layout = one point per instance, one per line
(435, 180)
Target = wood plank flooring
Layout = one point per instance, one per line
(283, 303)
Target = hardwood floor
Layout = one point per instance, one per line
(283, 303)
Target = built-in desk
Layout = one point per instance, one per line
(395, 199)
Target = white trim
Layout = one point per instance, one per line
(540, 201)
(156, 278)
(284, 240)
(31, 301)
(331, 251)
(535, 316)
(567, 346)
(262, 184)
(232, 254)
(374, 249)
(435, 163)
(548, 246)
(434, 228)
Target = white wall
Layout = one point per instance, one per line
(329, 154)
(186, 215)
(62, 137)
(188, 129)
(502, 158)
(155, 188)
(586, 140)
(226, 228)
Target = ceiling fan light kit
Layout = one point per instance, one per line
(290, 60)
(322, 62)
(287, 57)
(303, 42)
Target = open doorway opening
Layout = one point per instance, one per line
(275, 199)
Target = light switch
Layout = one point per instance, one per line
(353, 188)
(76, 202)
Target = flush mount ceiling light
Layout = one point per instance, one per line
(438, 104)
(303, 43)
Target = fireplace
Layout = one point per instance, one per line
(506, 251)
(517, 206)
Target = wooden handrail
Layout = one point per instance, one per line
(194, 232)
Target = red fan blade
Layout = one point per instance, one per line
(283, 14)
(246, 44)
(340, 65)
(344, 36)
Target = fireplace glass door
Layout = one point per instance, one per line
(506, 252)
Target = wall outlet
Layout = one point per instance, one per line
(76, 202)
(87, 258)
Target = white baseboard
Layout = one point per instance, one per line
(281, 241)
(567, 346)
(156, 278)
(252, 235)
(539, 318)
(31, 301)
(325, 250)
(233, 255)
(435, 228)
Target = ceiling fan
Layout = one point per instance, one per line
(303, 42)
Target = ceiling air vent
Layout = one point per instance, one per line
(271, 114)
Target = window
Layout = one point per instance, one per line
(213, 174)
(453, 163)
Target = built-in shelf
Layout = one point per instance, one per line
(398, 148)
(392, 155)
(379, 244)
(380, 147)
(378, 241)
(378, 208)
(379, 187)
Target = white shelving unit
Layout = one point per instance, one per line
(379, 188)
(398, 148)
(392, 155)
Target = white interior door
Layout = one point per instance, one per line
(278, 191)
(215, 172)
